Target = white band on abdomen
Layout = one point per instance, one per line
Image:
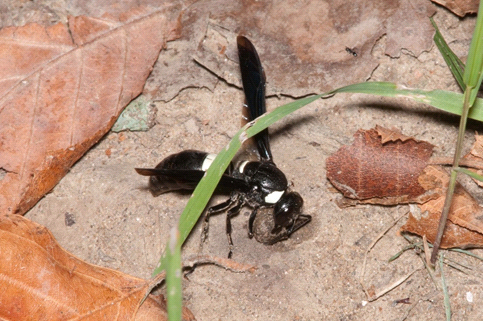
(207, 162)
(241, 168)
(273, 197)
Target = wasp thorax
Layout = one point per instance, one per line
(271, 181)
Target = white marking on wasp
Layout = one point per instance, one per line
(241, 168)
(243, 116)
(207, 162)
(273, 197)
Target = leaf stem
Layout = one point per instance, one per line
(452, 182)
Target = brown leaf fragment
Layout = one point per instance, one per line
(454, 236)
(391, 135)
(41, 281)
(464, 227)
(459, 7)
(62, 89)
(370, 171)
(475, 158)
(477, 148)
(465, 210)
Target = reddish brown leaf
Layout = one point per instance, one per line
(477, 149)
(41, 281)
(460, 7)
(391, 135)
(465, 210)
(464, 227)
(454, 235)
(475, 158)
(370, 171)
(61, 94)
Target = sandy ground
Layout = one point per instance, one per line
(317, 273)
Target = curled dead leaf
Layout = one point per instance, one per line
(381, 167)
(459, 7)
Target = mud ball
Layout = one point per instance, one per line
(263, 227)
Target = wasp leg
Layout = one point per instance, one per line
(300, 222)
(231, 213)
(253, 215)
(214, 210)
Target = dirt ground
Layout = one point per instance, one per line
(317, 273)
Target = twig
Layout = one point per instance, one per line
(363, 271)
(228, 264)
(467, 103)
(427, 256)
(476, 164)
(392, 286)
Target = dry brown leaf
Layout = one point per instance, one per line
(460, 7)
(391, 135)
(41, 281)
(386, 167)
(369, 171)
(61, 90)
(464, 227)
(454, 235)
(476, 156)
(477, 148)
(465, 210)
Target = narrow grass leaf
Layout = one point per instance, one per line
(398, 254)
(447, 305)
(467, 253)
(473, 74)
(455, 65)
(469, 173)
(441, 99)
(173, 277)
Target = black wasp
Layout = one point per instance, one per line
(257, 183)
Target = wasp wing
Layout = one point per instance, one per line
(253, 78)
(167, 180)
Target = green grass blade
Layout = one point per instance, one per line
(173, 277)
(472, 77)
(455, 65)
(398, 254)
(444, 100)
(447, 305)
(469, 173)
(467, 253)
(474, 65)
